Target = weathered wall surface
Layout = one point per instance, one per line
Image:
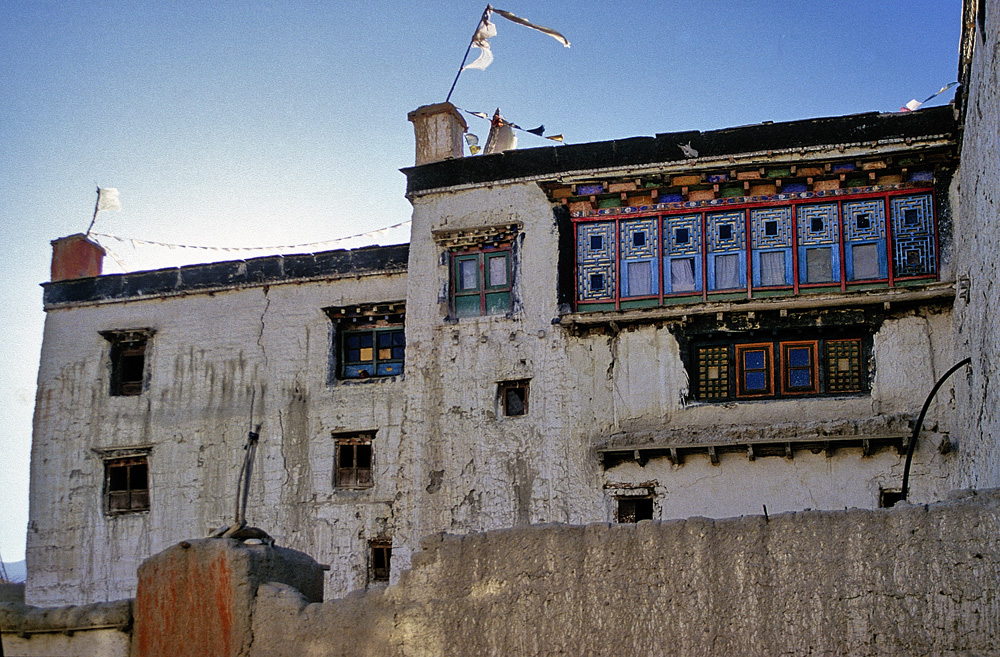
(97, 629)
(914, 580)
(212, 355)
(976, 254)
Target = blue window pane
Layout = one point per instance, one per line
(398, 353)
(384, 339)
(799, 357)
(365, 339)
(756, 381)
(353, 355)
(354, 341)
(753, 360)
(799, 378)
(398, 338)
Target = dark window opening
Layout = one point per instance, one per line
(126, 485)
(514, 397)
(770, 228)
(634, 509)
(725, 231)
(816, 225)
(597, 282)
(128, 362)
(380, 561)
(863, 221)
(911, 217)
(596, 242)
(887, 497)
(639, 239)
(354, 460)
(682, 236)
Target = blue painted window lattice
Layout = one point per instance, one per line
(772, 246)
(639, 255)
(819, 243)
(913, 236)
(682, 263)
(595, 252)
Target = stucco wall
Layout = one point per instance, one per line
(211, 355)
(914, 580)
(98, 629)
(976, 248)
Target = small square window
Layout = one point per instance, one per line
(126, 485)
(911, 217)
(842, 366)
(354, 460)
(639, 238)
(755, 376)
(128, 361)
(379, 561)
(799, 373)
(597, 282)
(817, 225)
(682, 236)
(770, 228)
(725, 231)
(513, 397)
(863, 221)
(471, 295)
(888, 497)
(372, 352)
(634, 509)
(597, 242)
(713, 372)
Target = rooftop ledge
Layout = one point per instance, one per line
(937, 291)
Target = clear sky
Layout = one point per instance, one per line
(253, 122)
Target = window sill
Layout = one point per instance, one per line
(936, 291)
(364, 382)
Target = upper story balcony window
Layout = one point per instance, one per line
(783, 246)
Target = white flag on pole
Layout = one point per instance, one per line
(487, 30)
(107, 199)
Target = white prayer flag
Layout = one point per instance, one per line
(487, 30)
(107, 199)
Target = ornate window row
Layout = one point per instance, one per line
(779, 368)
(755, 250)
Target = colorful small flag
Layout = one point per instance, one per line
(914, 104)
(107, 199)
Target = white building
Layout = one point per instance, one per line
(593, 333)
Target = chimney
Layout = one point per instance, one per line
(439, 130)
(75, 256)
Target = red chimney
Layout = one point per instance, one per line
(75, 256)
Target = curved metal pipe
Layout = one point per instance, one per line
(920, 423)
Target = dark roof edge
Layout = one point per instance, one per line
(638, 151)
(229, 274)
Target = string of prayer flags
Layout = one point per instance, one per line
(915, 104)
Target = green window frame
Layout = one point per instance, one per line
(481, 283)
(372, 352)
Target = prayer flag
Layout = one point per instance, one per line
(107, 199)
(487, 30)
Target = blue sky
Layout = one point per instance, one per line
(250, 123)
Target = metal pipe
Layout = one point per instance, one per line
(920, 423)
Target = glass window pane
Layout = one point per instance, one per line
(681, 236)
(384, 339)
(640, 279)
(468, 274)
(799, 357)
(819, 265)
(756, 381)
(725, 231)
(497, 266)
(596, 242)
(865, 261)
(753, 360)
(799, 378)
(365, 339)
(398, 338)
(639, 239)
(597, 282)
(727, 272)
(682, 275)
(772, 268)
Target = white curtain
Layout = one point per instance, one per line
(772, 268)
(727, 272)
(819, 265)
(682, 275)
(640, 279)
(865, 261)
